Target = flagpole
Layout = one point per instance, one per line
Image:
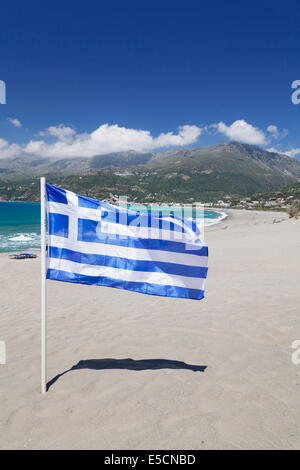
(43, 288)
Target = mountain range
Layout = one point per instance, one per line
(177, 174)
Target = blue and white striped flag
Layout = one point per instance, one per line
(93, 242)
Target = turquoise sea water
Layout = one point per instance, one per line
(23, 218)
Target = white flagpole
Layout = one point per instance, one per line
(43, 288)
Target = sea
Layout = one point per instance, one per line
(23, 218)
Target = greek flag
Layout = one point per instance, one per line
(96, 243)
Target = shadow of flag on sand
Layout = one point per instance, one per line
(129, 364)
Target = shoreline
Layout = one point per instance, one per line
(22, 202)
(224, 216)
(213, 208)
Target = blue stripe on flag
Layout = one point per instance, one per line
(142, 287)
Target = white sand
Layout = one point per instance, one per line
(247, 397)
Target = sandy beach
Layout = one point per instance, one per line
(132, 371)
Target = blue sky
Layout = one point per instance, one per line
(92, 77)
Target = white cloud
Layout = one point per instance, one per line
(105, 139)
(34, 146)
(63, 142)
(241, 131)
(292, 152)
(274, 150)
(61, 132)
(275, 132)
(3, 143)
(186, 135)
(15, 122)
(9, 150)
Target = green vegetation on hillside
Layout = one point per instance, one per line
(149, 186)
